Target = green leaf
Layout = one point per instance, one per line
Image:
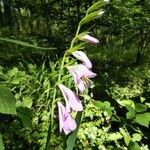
(23, 43)
(25, 115)
(126, 136)
(134, 146)
(27, 102)
(98, 104)
(75, 48)
(148, 105)
(91, 16)
(143, 119)
(102, 105)
(131, 112)
(1, 143)
(96, 6)
(2, 76)
(115, 136)
(127, 103)
(7, 101)
(136, 137)
(72, 137)
(11, 73)
(140, 107)
(79, 36)
(142, 99)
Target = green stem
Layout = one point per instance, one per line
(77, 32)
(54, 95)
(52, 105)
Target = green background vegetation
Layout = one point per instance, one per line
(119, 117)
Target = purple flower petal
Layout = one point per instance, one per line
(66, 122)
(86, 72)
(81, 86)
(82, 57)
(72, 100)
(69, 124)
(81, 75)
(90, 39)
(79, 71)
(76, 73)
(84, 84)
(61, 111)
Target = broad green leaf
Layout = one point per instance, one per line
(1, 143)
(7, 101)
(75, 48)
(136, 137)
(115, 136)
(140, 107)
(23, 43)
(131, 112)
(127, 103)
(98, 104)
(72, 137)
(134, 146)
(126, 136)
(27, 102)
(25, 115)
(96, 6)
(89, 17)
(148, 105)
(102, 105)
(143, 119)
(11, 73)
(142, 99)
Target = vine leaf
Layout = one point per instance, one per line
(143, 119)
(134, 146)
(25, 116)
(7, 101)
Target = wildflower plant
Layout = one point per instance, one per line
(81, 74)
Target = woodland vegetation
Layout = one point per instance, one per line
(34, 35)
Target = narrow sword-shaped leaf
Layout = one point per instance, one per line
(72, 138)
(91, 16)
(96, 6)
(75, 48)
(23, 43)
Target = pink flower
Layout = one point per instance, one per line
(71, 99)
(66, 122)
(82, 57)
(90, 39)
(81, 76)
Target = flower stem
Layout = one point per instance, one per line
(52, 106)
(77, 32)
(54, 94)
